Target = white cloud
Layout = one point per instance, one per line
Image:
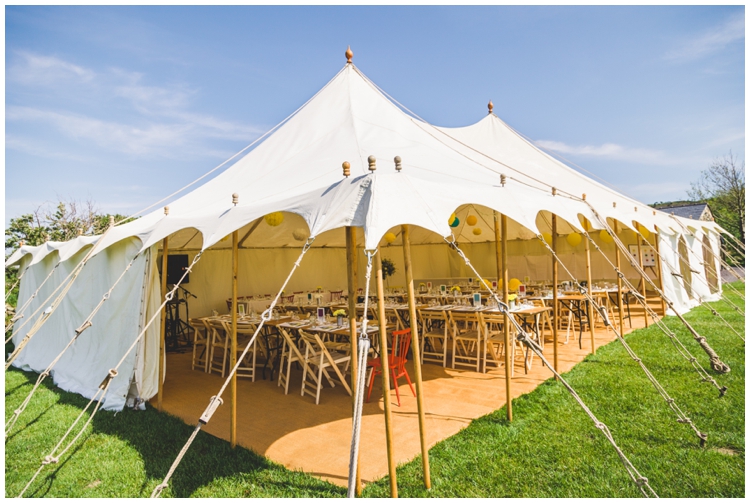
(608, 151)
(36, 69)
(713, 40)
(163, 123)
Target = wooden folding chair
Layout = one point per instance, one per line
(290, 353)
(218, 347)
(201, 334)
(468, 337)
(318, 357)
(434, 336)
(244, 334)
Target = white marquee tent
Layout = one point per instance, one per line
(297, 170)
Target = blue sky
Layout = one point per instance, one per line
(123, 105)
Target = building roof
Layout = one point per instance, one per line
(696, 211)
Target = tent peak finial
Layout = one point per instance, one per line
(349, 54)
(235, 198)
(347, 168)
(371, 163)
(490, 106)
(397, 161)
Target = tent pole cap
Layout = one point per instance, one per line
(371, 162)
(349, 54)
(490, 106)
(347, 168)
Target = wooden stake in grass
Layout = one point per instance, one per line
(163, 328)
(385, 377)
(414, 325)
(233, 353)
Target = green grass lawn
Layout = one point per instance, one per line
(551, 449)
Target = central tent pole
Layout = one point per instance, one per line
(414, 322)
(233, 354)
(555, 282)
(643, 280)
(385, 371)
(162, 335)
(351, 273)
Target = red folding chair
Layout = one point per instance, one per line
(396, 362)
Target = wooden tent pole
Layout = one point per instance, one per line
(385, 377)
(415, 352)
(233, 354)
(351, 273)
(660, 274)
(162, 334)
(620, 302)
(590, 286)
(555, 282)
(643, 280)
(501, 254)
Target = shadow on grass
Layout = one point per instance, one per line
(158, 438)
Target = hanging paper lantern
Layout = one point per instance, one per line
(274, 219)
(513, 284)
(299, 234)
(605, 237)
(644, 231)
(390, 237)
(547, 238)
(477, 231)
(471, 220)
(455, 222)
(573, 239)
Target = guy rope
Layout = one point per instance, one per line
(18, 280)
(640, 481)
(19, 312)
(58, 451)
(702, 302)
(216, 400)
(363, 347)
(716, 364)
(679, 346)
(602, 311)
(86, 324)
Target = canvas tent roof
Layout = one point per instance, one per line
(297, 169)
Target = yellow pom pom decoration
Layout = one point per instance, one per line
(644, 231)
(513, 284)
(547, 238)
(471, 220)
(477, 231)
(605, 237)
(274, 219)
(574, 239)
(390, 237)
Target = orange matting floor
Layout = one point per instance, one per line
(293, 431)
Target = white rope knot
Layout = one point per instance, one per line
(49, 460)
(641, 481)
(266, 315)
(106, 295)
(169, 295)
(600, 425)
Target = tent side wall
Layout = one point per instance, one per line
(99, 348)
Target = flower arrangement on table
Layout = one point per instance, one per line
(512, 297)
(319, 288)
(339, 312)
(456, 288)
